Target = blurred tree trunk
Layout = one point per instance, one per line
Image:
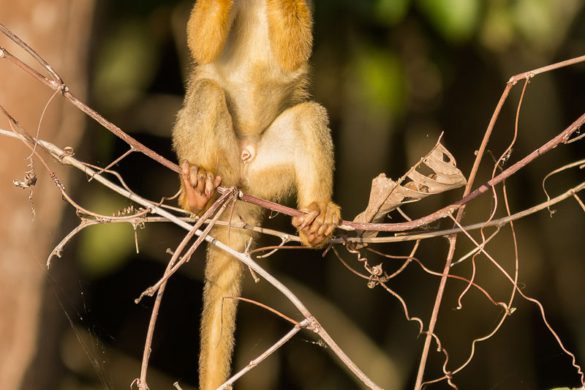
(59, 31)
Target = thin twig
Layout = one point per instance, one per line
(266, 307)
(577, 164)
(538, 304)
(264, 355)
(56, 252)
(451, 276)
(217, 210)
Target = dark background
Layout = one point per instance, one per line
(393, 76)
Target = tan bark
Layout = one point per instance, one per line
(58, 30)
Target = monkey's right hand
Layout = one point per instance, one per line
(197, 187)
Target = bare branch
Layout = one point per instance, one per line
(264, 355)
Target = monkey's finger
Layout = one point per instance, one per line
(322, 231)
(297, 221)
(333, 218)
(217, 181)
(330, 220)
(330, 229)
(326, 230)
(308, 219)
(185, 168)
(201, 177)
(333, 215)
(316, 225)
(209, 184)
(193, 176)
(317, 240)
(184, 176)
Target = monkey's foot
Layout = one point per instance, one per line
(317, 225)
(198, 187)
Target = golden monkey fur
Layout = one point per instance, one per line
(247, 121)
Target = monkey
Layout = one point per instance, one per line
(247, 121)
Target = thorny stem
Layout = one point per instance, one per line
(56, 252)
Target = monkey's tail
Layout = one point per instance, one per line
(223, 275)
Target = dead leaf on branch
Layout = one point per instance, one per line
(29, 181)
(435, 173)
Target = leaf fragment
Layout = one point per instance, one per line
(435, 173)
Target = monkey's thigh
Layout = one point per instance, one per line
(291, 153)
(204, 134)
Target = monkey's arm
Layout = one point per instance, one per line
(208, 29)
(290, 31)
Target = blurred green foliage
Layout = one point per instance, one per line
(455, 20)
(380, 77)
(391, 11)
(126, 63)
(105, 247)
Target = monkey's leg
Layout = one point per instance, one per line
(206, 145)
(290, 32)
(208, 29)
(296, 151)
(222, 284)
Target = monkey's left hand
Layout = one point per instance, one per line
(317, 225)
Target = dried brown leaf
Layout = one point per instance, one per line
(435, 173)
